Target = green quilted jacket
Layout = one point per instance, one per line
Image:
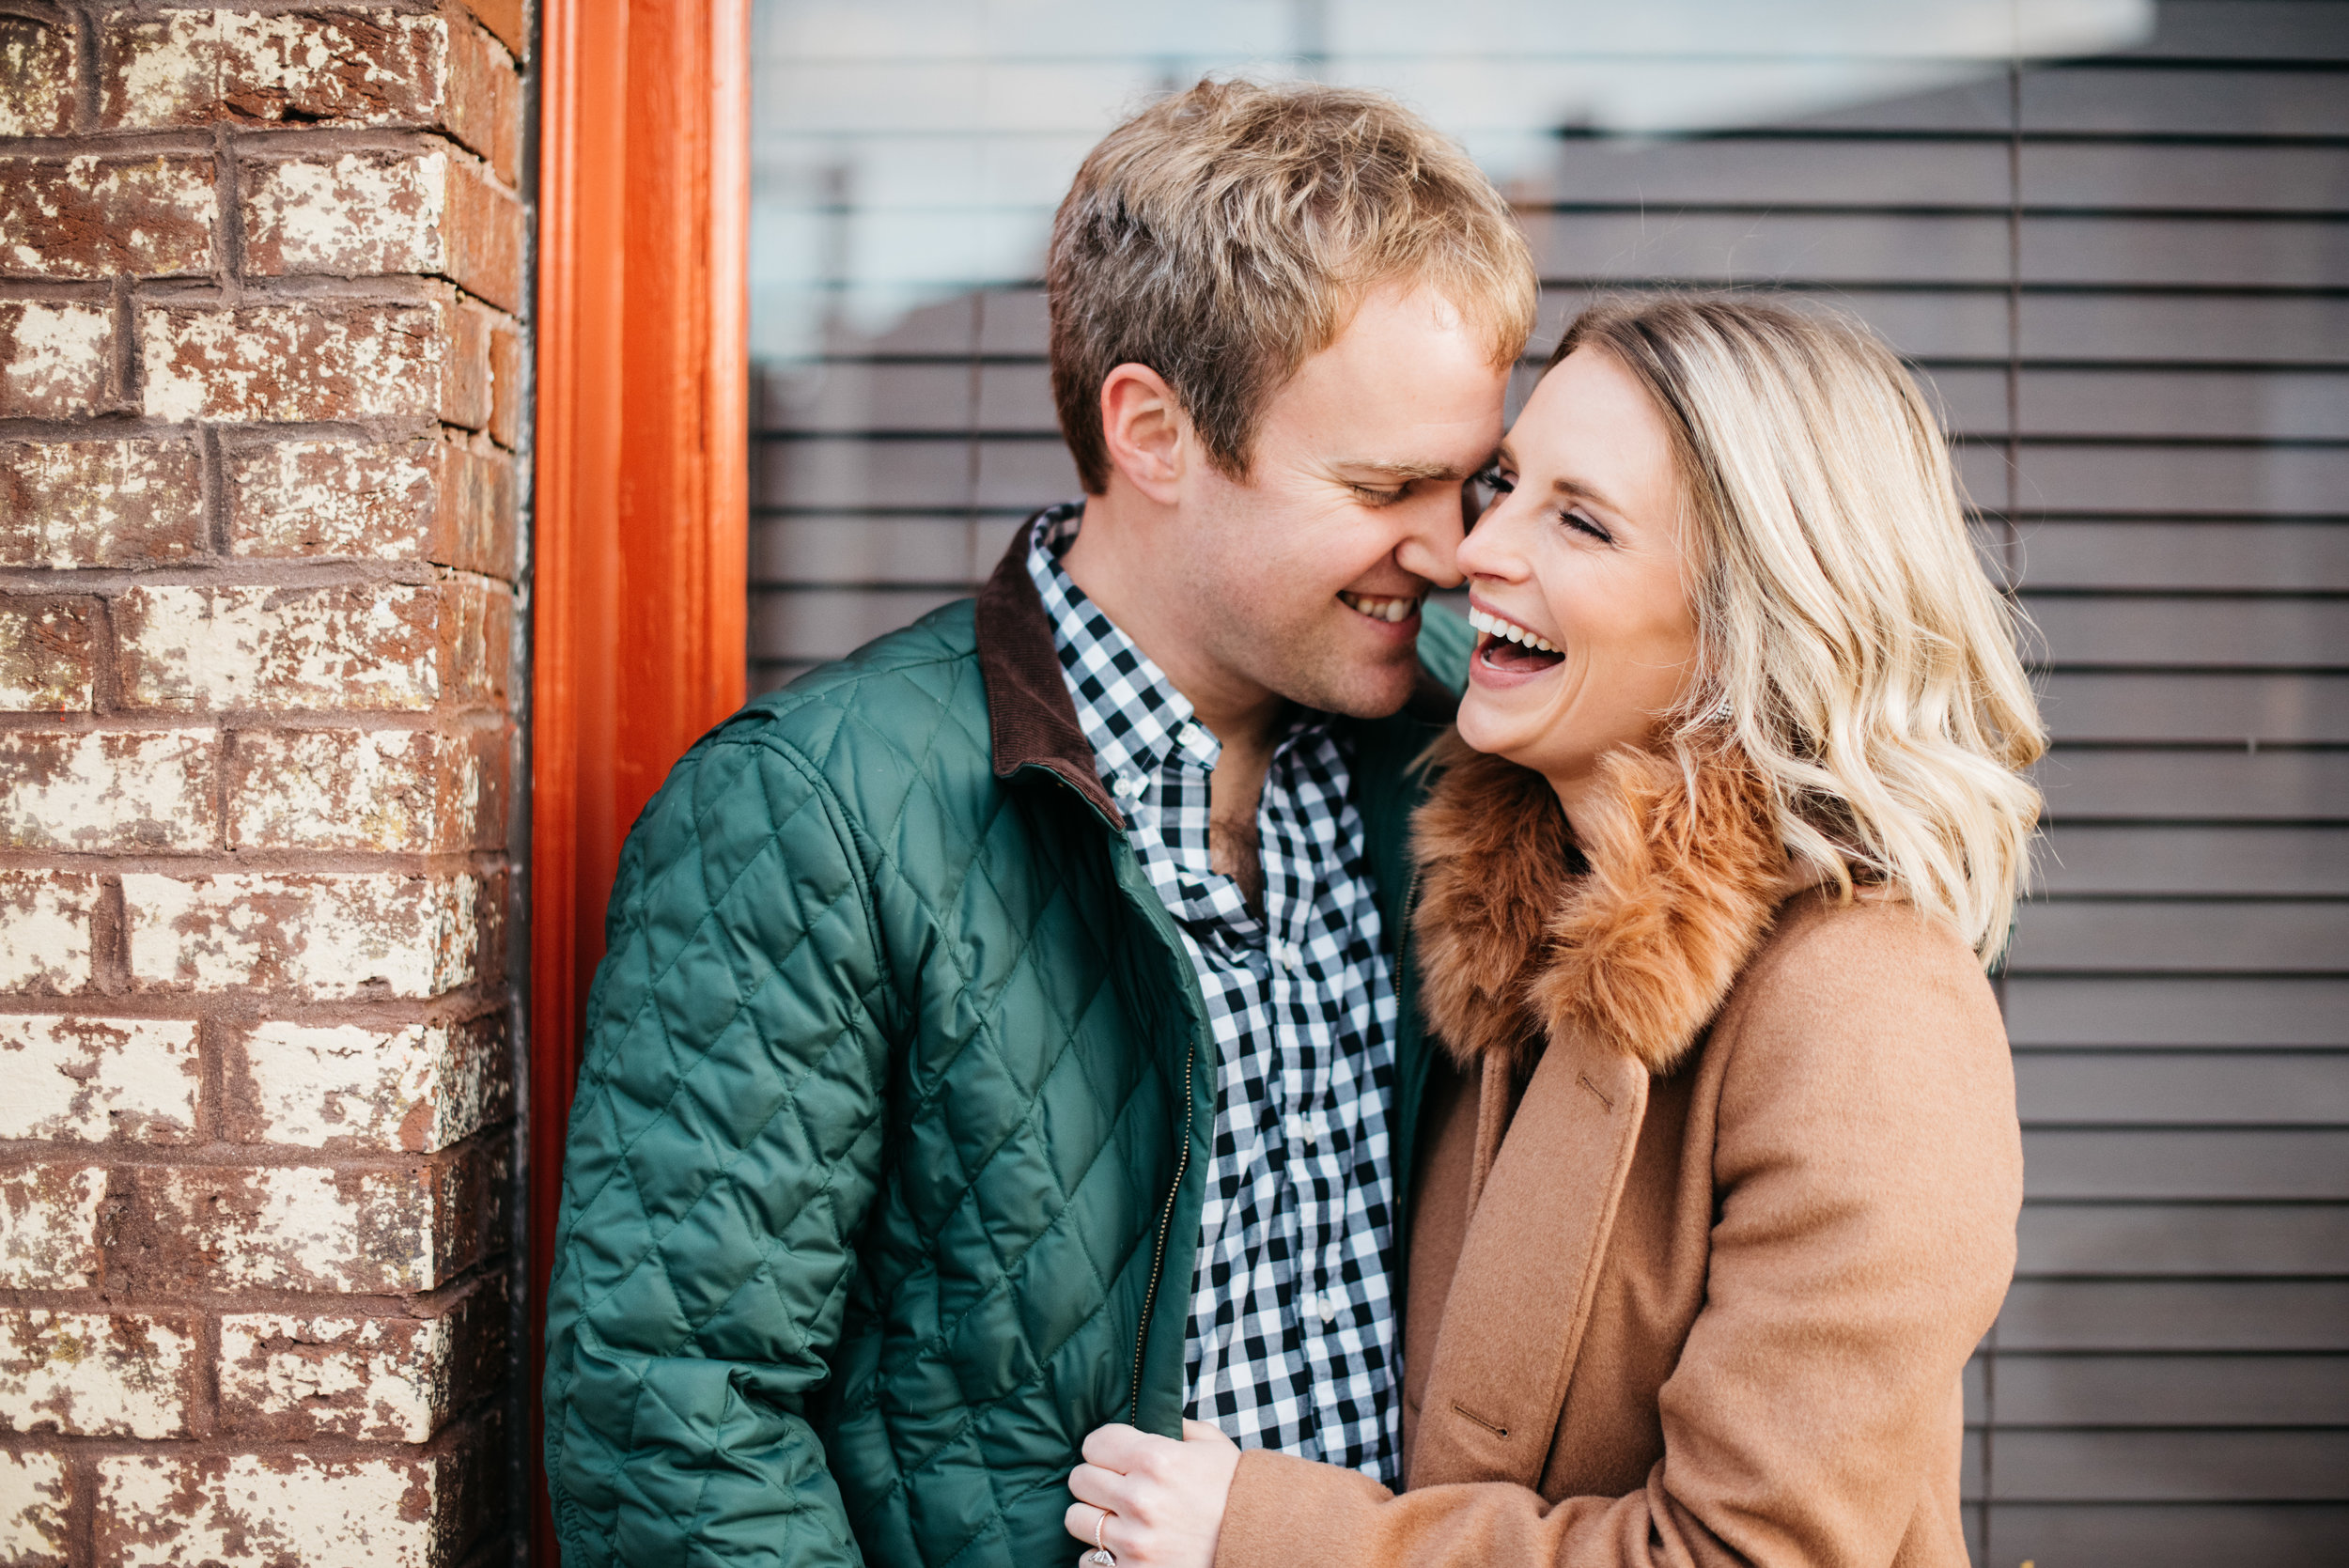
(884, 1170)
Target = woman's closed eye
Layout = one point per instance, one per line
(1583, 522)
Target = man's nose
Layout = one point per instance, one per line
(1429, 549)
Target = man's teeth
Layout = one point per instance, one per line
(1382, 608)
(1509, 629)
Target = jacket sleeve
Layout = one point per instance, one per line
(1867, 1174)
(723, 1147)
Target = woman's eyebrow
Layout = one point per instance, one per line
(1582, 490)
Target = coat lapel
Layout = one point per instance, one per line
(1529, 1267)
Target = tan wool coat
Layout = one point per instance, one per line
(1717, 1205)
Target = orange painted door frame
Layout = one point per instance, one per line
(639, 545)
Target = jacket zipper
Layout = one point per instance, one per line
(1166, 1224)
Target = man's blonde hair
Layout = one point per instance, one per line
(1850, 640)
(1225, 235)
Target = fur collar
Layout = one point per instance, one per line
(1518, 944)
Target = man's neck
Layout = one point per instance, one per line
(1119, 559)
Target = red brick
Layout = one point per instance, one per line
(484, 97)
(36, 94)
(504, 19)
(365, 214)
(505, 385)
(306, 361)
(475, 524)
(99, 503)
(109, 217)
(466, 381)
(56, 360)
(477, 638)
(204, 66)
(46, 651)
(289, 1375)
(45, 919)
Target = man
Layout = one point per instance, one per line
(1000, 1033)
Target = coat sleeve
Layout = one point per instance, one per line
(723, 1147)
(1867, 1174)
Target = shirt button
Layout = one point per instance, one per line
(1130, 785)
(1192, 737)
(1325, 1308)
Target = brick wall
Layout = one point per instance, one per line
(260, 399)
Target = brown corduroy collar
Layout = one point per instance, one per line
(1030, 719)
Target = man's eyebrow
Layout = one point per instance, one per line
(1396, 470)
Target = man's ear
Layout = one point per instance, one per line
(1147, 434)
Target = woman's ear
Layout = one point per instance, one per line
(1147, 434)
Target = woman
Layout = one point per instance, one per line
(1723, 1191)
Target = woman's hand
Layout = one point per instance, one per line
(1164, 1500)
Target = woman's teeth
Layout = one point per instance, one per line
(1390, 610)
(1509, 631)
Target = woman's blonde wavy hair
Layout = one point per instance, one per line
(1851, 642)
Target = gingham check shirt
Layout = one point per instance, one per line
(1291, 1342)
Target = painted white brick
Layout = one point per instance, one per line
(338, 789)
(294, 1227)
(49, 1226)
(96, 791)
(44, 930)
(53, 358)
(415, 1089)
(325, 935)
(94, 1374)
(278, 1509)
(192, 649)
(32, 1508)
(93, 1079)
(386, 1378)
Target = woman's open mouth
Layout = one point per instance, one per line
(1511, 648)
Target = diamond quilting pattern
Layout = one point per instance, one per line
(825, 881)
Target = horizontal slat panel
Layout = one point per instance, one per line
(2231, 1089)
(2293, 32)
(2202, 557)
(2268, 785)
(2195, 405)
(2175, 1314)
(2171, 1467)
(2120, 325)
(2224, 633)
(2172, 1390)
(830, 474)
(2208, 860)
(2147, 1240)
(2189, 178)
(2169, 1162)
(2263, 708)
(2224, 481)
(2178, 1535)
(2254, 253)
(1746, 248)
(2210, 935)
(853, 550)
(2207, 102)
(2158, 1010)
(1755, 172)
(828, 623)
